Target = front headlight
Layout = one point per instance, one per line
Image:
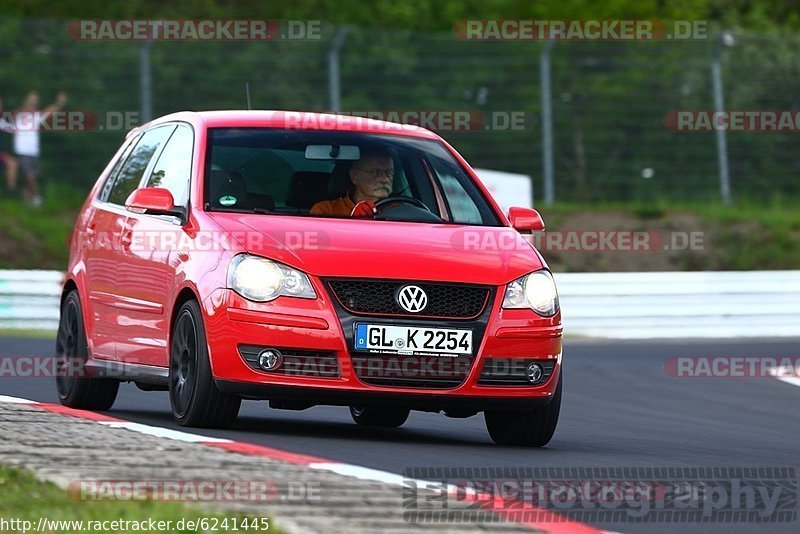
(536, 291)
(262, 280)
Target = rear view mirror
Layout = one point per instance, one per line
(333, 152)
(525, 219)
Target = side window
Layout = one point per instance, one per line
(130, 175)
(109, 183)
(463, 207)
(174, 166)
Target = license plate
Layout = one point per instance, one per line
(391, 339)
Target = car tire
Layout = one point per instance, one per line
(195, 399)
(531, 428)
(379, 416)
(75, 388)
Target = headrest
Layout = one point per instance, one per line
(307, 188)
(340, 182)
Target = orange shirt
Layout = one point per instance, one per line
(341, 207)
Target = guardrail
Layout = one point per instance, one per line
(30, 299)
(604, 305)
(681, 304)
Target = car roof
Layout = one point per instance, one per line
(294, 120)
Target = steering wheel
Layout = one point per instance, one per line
(408, 200)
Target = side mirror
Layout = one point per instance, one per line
(525, 220)
(154, 201)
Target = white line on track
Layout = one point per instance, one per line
(15, 400)
(793, 380)
(787, 375)
(363, 473)
(163, 432)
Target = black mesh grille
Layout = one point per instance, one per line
(367, 297)
(511, 372)
(429, 372)
(296, 362)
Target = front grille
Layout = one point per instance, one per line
(429, 372)
(319, 364)
(452, 301)
(511, 372)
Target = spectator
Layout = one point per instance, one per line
(7, 159)
(26, 141)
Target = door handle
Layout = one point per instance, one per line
(89, 235)
(126, 239)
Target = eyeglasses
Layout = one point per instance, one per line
(376, 173)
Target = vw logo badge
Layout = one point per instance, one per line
(412, 299)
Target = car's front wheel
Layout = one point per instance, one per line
(379, 416)
(195, 399)
(532, 428)
(75, 388)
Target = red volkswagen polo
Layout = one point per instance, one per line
(308, 259)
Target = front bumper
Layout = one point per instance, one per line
(321, 325)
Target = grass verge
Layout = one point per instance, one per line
(28, 333)
(37, 238)
(26, 498)
(743, 236)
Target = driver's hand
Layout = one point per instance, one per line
(365, 208)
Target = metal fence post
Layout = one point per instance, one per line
(334, 74)
(547, 123)
(719, 105)
(145, 83)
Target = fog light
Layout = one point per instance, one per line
(270, 359)
(534, 372)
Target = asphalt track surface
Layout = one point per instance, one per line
(620, 409)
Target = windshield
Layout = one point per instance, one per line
(325, 174)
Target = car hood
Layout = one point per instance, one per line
(385, 249)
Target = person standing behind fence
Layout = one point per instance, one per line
(26, 141)
(7, 159)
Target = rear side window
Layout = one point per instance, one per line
(109, 183)
(130, 174)
(174, 166)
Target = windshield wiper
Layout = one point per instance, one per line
(262, 211)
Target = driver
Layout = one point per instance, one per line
(372, 177)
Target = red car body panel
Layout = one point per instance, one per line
(283, 326)
(129, 294)
(346, 247)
